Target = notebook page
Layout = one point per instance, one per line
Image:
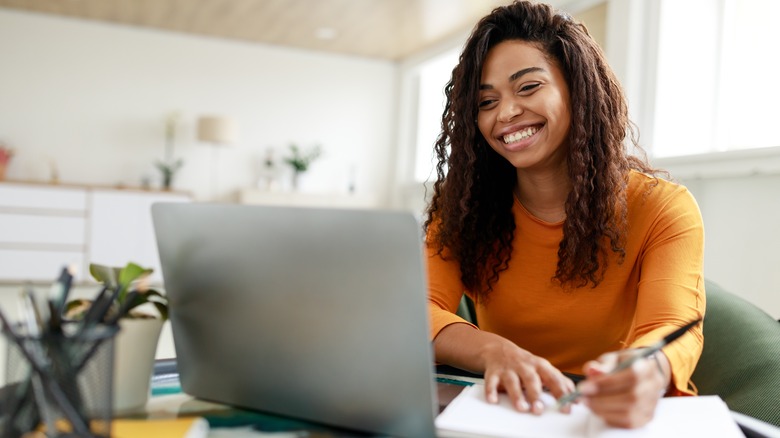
(706, 416)
(675, 417)
(470, 413)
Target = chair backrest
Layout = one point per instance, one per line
(741, 357)
(466, 310)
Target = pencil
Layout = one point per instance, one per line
(640, 354)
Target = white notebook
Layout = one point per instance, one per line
(674, 417)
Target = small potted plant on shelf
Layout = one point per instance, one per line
(169, 165)
(128, 299)
(300, 161)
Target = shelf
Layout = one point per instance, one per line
(297, 199)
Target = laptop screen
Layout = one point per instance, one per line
(318, 314)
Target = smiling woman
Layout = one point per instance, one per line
(534, 198)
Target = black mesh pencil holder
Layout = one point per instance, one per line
(60, 383)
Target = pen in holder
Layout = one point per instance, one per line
(59, 382)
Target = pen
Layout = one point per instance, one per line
(640, 354)
(98, 308)
(124, 308)
(29, 312)
(61, 288)
(41, 372)
(58, 296)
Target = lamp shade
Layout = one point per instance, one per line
(220, 130)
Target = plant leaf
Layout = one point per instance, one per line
(158, 296)
(130, 273)
(137, 301)
(104, 274)
(153, 297)
(162, 308)
(75, 309)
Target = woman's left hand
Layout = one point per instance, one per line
(626, 398)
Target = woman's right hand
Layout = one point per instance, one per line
(506, 367)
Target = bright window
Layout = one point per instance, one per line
(433, 76)
(717, 84)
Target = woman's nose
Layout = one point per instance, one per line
(509, 110)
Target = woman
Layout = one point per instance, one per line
(570, 247)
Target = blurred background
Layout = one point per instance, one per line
(108, 106)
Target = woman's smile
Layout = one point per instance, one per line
(521, 138)
(521, 135)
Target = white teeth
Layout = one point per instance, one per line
(520, 135)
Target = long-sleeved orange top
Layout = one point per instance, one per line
(658, 287)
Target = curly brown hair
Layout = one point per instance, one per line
(470, 214)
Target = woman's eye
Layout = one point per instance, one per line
(486, 103)
(527, 88)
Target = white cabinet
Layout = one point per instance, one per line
(42, 229)
(43, 197)
(46, 227)
(121, 228)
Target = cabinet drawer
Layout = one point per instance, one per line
(23, 265)
(46, 198)
(42, 229)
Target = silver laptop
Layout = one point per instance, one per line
(317, 314)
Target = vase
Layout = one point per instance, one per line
(167, 180)
(135, 347)
(168, 170)
(296, 180)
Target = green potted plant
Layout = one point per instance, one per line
(169, 166)
(168, 170)
(300, 161)
(136, 344)
(120, 280)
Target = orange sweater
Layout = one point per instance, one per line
(657, 288)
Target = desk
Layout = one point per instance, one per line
(228, 422)
(225, 421)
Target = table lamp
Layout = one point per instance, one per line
(218, 131)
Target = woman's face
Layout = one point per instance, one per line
(524, 104)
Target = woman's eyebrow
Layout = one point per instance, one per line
(514, 76)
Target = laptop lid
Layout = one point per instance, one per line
(318, 314)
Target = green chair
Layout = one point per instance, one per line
(466, 310)
(741, 357)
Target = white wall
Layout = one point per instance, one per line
(742, 235)
(92, 98)
(739, 197)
